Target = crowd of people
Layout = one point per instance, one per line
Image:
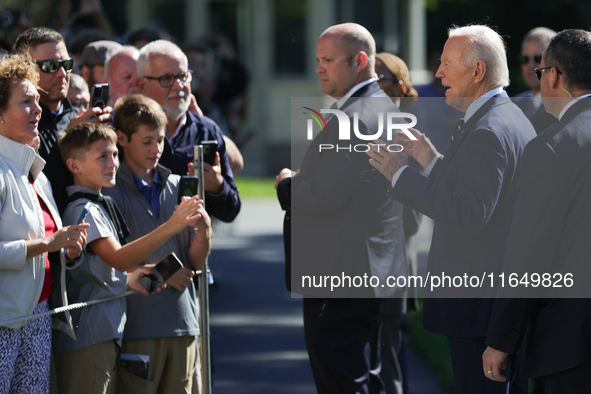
(77, 220)
(89, 204)
(502, 200)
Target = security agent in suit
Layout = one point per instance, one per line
(342, 224)
(530, 102)
(550, 232)
(470, 193)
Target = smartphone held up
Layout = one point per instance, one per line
(100, 95)
(161, 273)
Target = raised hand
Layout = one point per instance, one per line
(186, 214)
(91, 115)
(72, 238)
(383, 160)
(422, 150)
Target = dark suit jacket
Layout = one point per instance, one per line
(550, 234)
(284, 196)
(179, 153)
(340, 224)
(56, 171)
(470, 194)
(538, 116)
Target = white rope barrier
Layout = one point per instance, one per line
(77, 305)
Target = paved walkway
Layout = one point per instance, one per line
(256, 327)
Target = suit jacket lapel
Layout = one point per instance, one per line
(365, 91)
(312, 154)
(451, 151)
(577, 107)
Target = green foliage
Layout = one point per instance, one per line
(432, 349)
(251, 187)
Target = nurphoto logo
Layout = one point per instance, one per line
(393, 120)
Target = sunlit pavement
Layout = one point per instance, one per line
(256, 326)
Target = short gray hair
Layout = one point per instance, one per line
(77, 82)
(158, 47)
(541, 34)
(127, 48)
(487, 45)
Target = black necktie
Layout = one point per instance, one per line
(109, 204)
(459, 130)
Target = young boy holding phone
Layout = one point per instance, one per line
(162, 326)
(87, 364)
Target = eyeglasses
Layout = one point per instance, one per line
(525, 59)
(52, 66)
(381, 77)
(538, 71)
(168, 80)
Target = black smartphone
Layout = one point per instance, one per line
(137, 364)
(161, 273)
(188, 186)
(209, 150)
(100, 95)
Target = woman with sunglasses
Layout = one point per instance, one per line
(394, 79)
(30, 227)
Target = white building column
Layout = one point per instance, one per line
(416, 36)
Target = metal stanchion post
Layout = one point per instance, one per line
(203, 288)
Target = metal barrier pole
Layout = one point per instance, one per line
(203, 288)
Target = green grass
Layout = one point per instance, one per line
(250, 187)
(432, 349)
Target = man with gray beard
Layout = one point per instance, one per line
(163, 75)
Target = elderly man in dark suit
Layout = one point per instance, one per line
(470, 193)
(550, 233)
(343, 222)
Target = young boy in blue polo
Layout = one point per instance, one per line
(88, 364)
(162, 326)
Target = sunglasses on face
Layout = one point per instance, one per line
(168, 80)
(538, 71)
(53, 66)
(537, 59)
(381, 77)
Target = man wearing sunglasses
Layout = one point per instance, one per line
(530, 102)
(49, 52)
(164, 76)
(549, 233)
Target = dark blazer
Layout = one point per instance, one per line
(284, 196)
(339, 223)
(470, 194)
(538, 116)
(179, 153)
(56, 171)
(550, 234)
